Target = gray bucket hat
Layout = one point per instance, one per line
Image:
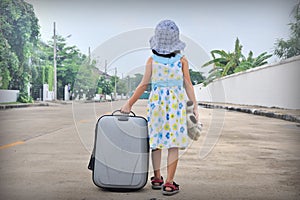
(166, 39)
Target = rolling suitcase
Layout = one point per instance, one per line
(120, 158)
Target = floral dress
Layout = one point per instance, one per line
(166, 110)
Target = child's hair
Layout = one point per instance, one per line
(173, 54)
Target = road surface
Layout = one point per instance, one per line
(44, 152)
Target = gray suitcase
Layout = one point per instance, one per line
(120, 158)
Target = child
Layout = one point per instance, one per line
(168, 72)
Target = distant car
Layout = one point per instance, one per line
(145, 95)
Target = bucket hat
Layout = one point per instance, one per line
(166, 39)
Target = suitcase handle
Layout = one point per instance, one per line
(122, 113)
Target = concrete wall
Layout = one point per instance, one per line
(270, 85)
(8, 96)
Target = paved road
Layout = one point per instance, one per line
(44, 153)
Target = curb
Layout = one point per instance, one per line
(21, 105)
(254, 111)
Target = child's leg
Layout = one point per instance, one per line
(172, 164)
(156, 159)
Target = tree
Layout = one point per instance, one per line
(224, 63)
(9, 63)
(19, 35)
(105, 85)
(291, 47)
(27, 60)
(44, 70)
(136, 80)
(128, 84)
(86, 80)
(69, 60)
(251, 62)
(196, 77)
(122, 86)
(229, 63)
(114, 81)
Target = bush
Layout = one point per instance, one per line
(24, 98)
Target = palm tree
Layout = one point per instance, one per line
(291, 47)
(251, 62)
(230, 63)
(225, 63)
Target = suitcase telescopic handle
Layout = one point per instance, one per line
(122, 113)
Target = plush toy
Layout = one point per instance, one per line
(194, 128)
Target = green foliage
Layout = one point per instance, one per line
(40, 65)
(291, 47)
(99, 91)
(233, 62)
(25, 59)
(25, 98)
(69, 60)
(48, 76)
(137, 79)
(251, 62)
(71, 66)
(129, 84)
(19, 27)
(19, 32)
(8, 63)
(86, 80)
(122, 86)
(196, 77)
(4, 78)
(114, 80)
(105, 85)
(225, 63)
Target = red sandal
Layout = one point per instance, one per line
(157, 183)
(174, 188)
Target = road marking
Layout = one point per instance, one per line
(11, 144)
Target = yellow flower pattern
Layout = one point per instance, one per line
(166, 110)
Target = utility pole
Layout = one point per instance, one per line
(89, 56)
(105, 68)
(105, 76)
(54, 63)
(115, 83)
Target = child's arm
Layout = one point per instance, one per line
(126, 108)
(188, 85)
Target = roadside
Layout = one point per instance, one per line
(4, 106)
(278, 113)
(46, 149)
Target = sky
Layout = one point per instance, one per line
(118, 32)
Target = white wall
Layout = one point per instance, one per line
(270, 85)
(8, 96)
(47, 95)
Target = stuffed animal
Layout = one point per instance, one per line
(194, 128)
